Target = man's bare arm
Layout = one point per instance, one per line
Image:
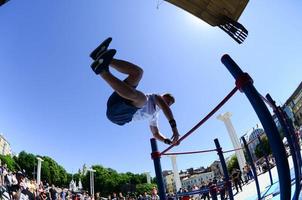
(157, 134)
(169, 115)
(164, 107)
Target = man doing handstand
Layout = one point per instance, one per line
(126, 102)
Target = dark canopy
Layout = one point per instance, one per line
(212, 11)
(3, 2)
(221, 13)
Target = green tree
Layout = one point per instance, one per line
(9, 161)
(63, 177)
(105, 180)
(108, 180)
(68, 179)
(137, 178)
(145, 187)
(45, 172)
(266, 147)
(233, 163)
(154, 180)
(27, 162)
(53, 172)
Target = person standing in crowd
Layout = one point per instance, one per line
(53, 192)
(185, 197)
(63, 194)
(146, 196)
(244, 174)
(222, 188)
(195, 188)
(205, 192)
(154, 195)
(97, 196)
(114, 196)
(121, 196)
(236, 180)
(170, 196)
(32, 187)
(240, 176)
(249, 172)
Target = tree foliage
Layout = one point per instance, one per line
(106, 180)
(9, 161)
(51, 171)
(27, 162)
(266, 148)
(144, 187)
(232, 164)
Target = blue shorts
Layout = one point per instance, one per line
(119, 110)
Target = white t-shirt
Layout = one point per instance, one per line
(148, 111)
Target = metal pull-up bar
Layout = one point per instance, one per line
(204, 119)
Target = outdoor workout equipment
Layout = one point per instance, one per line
(266, 159)
(225, 185)
(156, 154)
(204, 119)
(251, 163)
(224, 168)
(223, 13)
(212, 189)
(292, 142)
(245, 84)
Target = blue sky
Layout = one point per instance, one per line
(53, 104)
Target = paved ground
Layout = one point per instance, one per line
(249, 190)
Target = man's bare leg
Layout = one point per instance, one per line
(134, 72)
(126, 88)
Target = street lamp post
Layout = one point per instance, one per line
(91, 174)
(40, 160)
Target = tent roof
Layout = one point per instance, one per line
(212, 11)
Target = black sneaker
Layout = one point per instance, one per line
(101, 48)
(101, 64)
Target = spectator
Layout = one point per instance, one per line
(154, 195)
(244, 174)
(114, 196)
(222, 188)
(204, 192)
(236, 180)
(170, 196)
(146, 196)
(63, 194)
(248, 171)
(140, 197)
(186, 197)
(121, 197)
(32, 187)
(195, 188)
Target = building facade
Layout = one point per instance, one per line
(216, 168)
(197, 180)
(169, 182)
(294, 103)
(253, 141)
(5, 148)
